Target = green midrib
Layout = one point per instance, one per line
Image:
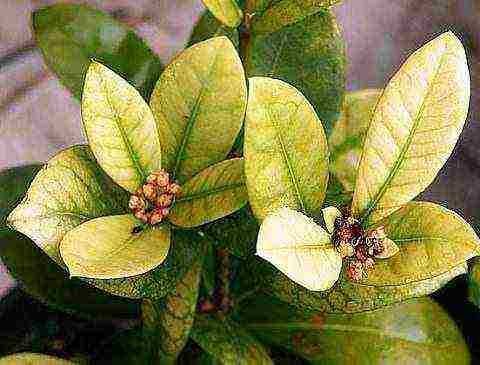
(206, 193)
(403, 152)
(133, 155)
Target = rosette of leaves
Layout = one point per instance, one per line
(76, 209)
(412, 132)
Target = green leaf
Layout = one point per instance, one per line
(120, 128)
(474, 282)
(286, 154)
(108, 248)
(208, 27)
(236, 232)
(346, 296)
(432, 241)
(27, 358)
(213, 193)
(129, 347)
(199, 104)
(71, 35)
(228, 342)
(348, 135)
(171, 319)
(279, 14)
(417, 331)
(13, 184)
(287, 234)
(310, 55)
(414, 128)
(44, 280)
(226, 11)
(69, 190)
(184, 250)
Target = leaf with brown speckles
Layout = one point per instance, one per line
(417, 331)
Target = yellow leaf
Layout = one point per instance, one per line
(329, 216)
(107, 248)
(120, 128)
(414, 128)
(299, 248)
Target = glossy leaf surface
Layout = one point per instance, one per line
(120, 128)
(414, 129)
(286, 154)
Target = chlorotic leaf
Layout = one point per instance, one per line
(171, 319)
(199, 104)
(348, 135)
(390, 249)
(227, 11)
(47, 282)
(109, 248)
(227, 342)
(330, 214)
(286, 154)
(184, 250)
(69, 190)
(282, 13)
(310, 55)
(300, 248)
(215, 192)
(120, 128)
(346, 296)
(70, 35)
(26, 358)
(404, 333)
(432, 241)
(414, 129)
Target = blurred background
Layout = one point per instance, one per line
(38, 117)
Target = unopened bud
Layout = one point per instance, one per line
(368, 264)
(174, 189)
(142, 215)
(156, 217)
(164, 200)
(137, 203)
(345, 249)
(355, 270)
(150, 191)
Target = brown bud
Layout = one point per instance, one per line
(159, 178)
(368, 264)
(361, 253)
(174, 189)
(345, 249)
(137, 203)
(142, 215)
(355, 270)
(156, 217)
(164, 200)
(165, 211)
(150, 191)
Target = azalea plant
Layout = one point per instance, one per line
(237, 205)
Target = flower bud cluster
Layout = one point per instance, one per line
(151, 202)
(358, 246)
